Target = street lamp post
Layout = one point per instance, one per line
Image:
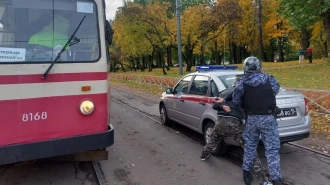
(177, 6)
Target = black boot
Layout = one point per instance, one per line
(277, 182)
(247, 177)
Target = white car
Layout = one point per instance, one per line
(189, 104)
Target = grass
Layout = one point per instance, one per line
(304, 76)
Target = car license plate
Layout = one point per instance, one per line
(287, 112)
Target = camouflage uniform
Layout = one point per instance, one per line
(260, 125)
(227, 126)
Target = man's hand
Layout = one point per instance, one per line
(218, 100)
(226, 108)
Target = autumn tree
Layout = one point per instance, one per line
(198, 22)
(319, 40)
(304, 14)
(276, 29)
(129, 29)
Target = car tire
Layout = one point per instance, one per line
(163, 115)
(221, 148)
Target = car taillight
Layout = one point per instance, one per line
(306, 106)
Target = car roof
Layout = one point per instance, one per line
(219, 72)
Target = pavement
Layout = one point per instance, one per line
(47, 173)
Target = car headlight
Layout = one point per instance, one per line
(86, 107)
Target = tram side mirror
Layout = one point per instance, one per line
(169, 90)
(108, 32)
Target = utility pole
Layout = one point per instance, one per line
(177, 6)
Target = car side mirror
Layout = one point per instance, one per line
(108, 32)
(169, 90)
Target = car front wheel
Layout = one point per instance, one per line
(163, 115)
(221, 147)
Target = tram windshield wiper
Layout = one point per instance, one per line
(71, 41)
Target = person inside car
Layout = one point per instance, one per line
(229, 124)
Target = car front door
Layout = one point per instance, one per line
(175, 104)
(196, 101)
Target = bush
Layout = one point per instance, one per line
(291, 57)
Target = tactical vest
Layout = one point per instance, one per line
(259, 100)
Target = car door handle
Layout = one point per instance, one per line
(181, 100)
(201, 103)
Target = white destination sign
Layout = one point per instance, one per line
(83, 7)
(12, 54)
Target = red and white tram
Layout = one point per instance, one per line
(54, 87)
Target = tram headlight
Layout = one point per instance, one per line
(86, 107)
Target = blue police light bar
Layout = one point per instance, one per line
(210, 68)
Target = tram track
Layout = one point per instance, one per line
(98, 173)
(232, 157)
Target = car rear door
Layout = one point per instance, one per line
(196, 101)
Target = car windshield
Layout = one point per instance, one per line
(36, 30)
(230, 80)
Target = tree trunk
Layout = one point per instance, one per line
(113, 66)
(132, 64)
(280, 49)
(169, 56)
(326, 23)
(189, 59)
(261, 46)
(122, 66)
(188, 56)
(234, 51)
(150, 57)
(304, 38)
(216, 53)
(202, 57)
(138, 63)
(143, 63)
(162, 61)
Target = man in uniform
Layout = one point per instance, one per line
(255, 93)
(229, 124)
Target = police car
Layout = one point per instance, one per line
(189, 103)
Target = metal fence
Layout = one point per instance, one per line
(318, 100)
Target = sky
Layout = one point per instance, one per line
(112, 8)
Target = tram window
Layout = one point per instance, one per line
(36, 30)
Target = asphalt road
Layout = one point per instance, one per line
(47, 173)
(146, 152)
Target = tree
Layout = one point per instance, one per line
(200, 22)
(260, 39)
(304, 14)
(129, 29)
(276, 28)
